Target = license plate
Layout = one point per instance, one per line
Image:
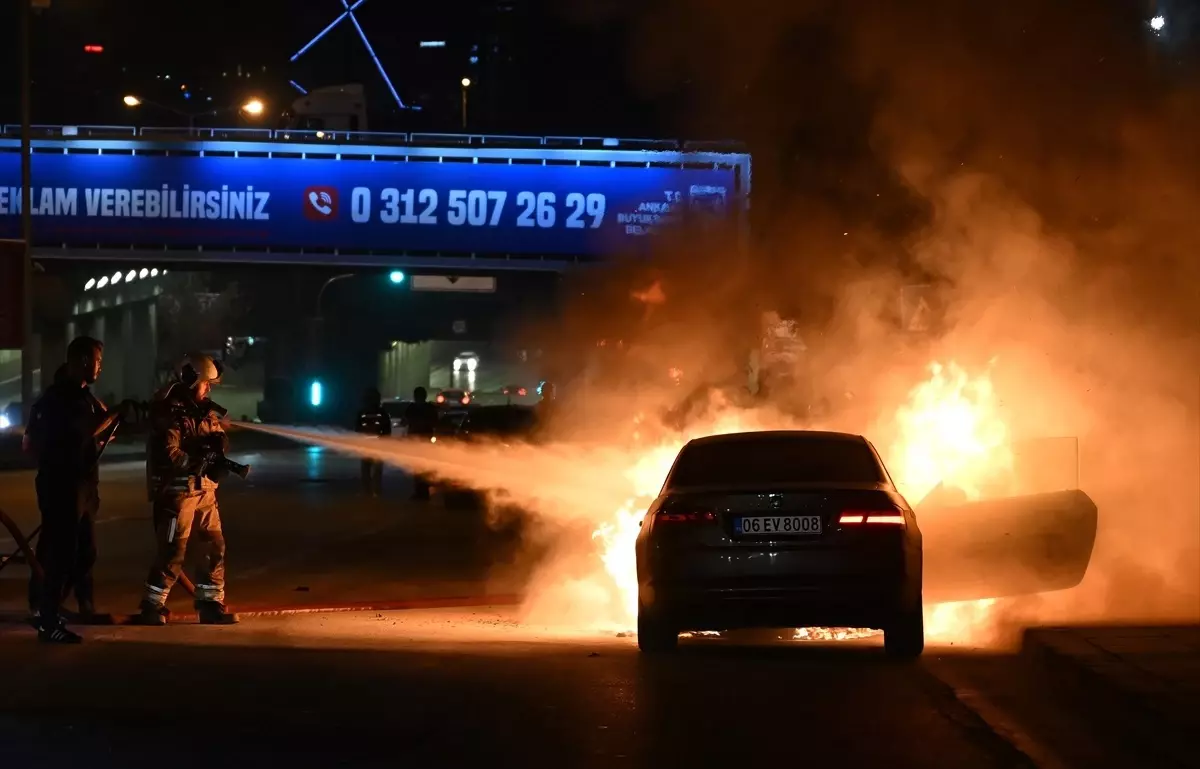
(788, 525)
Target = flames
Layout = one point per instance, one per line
(950, 431)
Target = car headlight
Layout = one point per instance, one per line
(472, 364)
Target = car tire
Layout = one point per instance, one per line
(655, 635)
(904, 638)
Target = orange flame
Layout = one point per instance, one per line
(949, 431)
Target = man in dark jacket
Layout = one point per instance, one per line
(373, 420)
(420, 418)
(67, 430)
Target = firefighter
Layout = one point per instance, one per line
(67, 429)
(421, 418)
(373, 420)
(183, 471)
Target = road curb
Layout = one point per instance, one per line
(1124, 699)
(986, 725)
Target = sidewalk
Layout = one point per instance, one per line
(1143, 683)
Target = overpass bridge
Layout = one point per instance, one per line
(110, 202)
(256, 196)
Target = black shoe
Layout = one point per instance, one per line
(57, 633)
(151, 616)
(213, 613)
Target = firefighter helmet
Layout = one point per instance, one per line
(197, 368)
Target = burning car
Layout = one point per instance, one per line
(780, 529)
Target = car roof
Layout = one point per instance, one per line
(792, 435)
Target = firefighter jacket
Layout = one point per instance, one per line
(182, 433)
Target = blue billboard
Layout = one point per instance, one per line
(400, 204)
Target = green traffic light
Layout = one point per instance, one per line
(397, 277)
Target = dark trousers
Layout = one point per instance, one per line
(66, 548)
(372, 476)
(178, 519)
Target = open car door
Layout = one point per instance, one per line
(1034, 542)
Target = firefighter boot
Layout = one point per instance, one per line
(149, 614)
(213, 613)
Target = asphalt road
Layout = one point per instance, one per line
(298, 532)
(456, 688)
(440, 687)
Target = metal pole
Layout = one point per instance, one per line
(26, 211)
(326, 284)
(464, 107)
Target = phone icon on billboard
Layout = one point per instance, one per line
(320, 203)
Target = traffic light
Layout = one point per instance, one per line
(396, 276)
(315, 393)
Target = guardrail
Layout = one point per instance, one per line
(167, 133)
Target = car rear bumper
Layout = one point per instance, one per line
(700, 592)
(724, 609)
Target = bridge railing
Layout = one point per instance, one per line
(288, 135)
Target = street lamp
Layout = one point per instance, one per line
(251, 108)
(466, 83)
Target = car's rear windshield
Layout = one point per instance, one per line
(773, 461)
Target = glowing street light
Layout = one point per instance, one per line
(1157, 23)
(252, 108)
(466, 83)
(90, 284)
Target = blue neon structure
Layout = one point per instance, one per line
(315, 396)
(298, 87)
(349, 13)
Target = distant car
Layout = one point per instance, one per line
(498, 424)
(453, 398)
(514, 391)
(395, 411)
(779, 530)
(466, 360)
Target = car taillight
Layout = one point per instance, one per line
(466, 400)
(690, 517)
(522, 392)
(441, 398)
(871, 517)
